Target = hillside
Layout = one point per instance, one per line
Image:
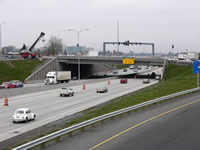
(17, 69)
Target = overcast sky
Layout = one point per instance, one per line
(162, 22)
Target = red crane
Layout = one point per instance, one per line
(27, 52)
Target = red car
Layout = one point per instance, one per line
(123, 81)
(9, 85)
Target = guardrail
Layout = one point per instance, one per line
(98, 119)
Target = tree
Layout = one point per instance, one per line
(54, 46)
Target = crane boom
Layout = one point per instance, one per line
(36, 41)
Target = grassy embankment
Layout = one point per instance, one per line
(176, 79)
(18, 70)
(120, 66)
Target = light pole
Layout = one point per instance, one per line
(0, 39)
(118, 37)
(78, 33)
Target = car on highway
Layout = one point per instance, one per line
(23, 115)
(9, 85)
(146, 81)
(102, 90)
(66, 91)
(18, 83)
(2, 86)
(131, 67)
(123, 80)
(125, 70)
(74, 78)
(115, 71)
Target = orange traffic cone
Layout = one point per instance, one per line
(84, 86)
(108, 82)
(6, 101)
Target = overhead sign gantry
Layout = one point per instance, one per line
(127, 43)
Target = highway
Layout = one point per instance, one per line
(172, 125)
(133, 71)
(38, 87)
(49, 106)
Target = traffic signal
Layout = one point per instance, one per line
(126, 43)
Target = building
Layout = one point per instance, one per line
(75, 50)
(8, 49)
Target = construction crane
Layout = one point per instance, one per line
(27, 52)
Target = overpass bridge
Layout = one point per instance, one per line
(109, 60)
(89, 65)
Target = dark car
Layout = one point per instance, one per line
(123, 81)
(18, 83)
(9, 85)
(2, 86)
(125, 70)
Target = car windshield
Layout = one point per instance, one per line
(19, 112)
(5, 83)
(14, 81)
(50, 77)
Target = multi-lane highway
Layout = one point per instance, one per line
(49, 106)
(171, 125)
(131, 71)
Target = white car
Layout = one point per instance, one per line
(66, 91)
(146, 80)
(102, 90)
(23, 115)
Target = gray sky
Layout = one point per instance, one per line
(163, 22)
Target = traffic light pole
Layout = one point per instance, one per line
(127, 43)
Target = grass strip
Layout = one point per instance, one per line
(19, 70)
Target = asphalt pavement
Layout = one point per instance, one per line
(49, 106)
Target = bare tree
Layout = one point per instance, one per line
(54, 46)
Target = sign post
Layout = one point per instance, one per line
(196, 70)
(197, 79)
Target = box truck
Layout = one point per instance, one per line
(55, 77)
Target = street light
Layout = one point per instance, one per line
(118, 37)
(0, 38)
(78, 33)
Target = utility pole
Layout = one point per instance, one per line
(78, 33)
(118, 37)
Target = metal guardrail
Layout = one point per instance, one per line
(98, 119)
